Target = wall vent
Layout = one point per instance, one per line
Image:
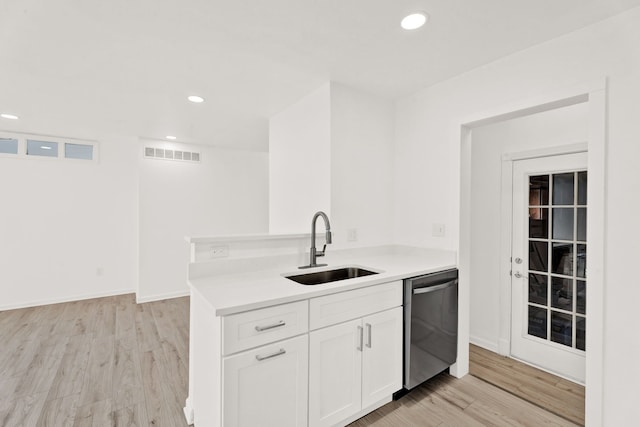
(166, 154)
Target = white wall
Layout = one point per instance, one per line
(428, 166)
(299, 163)
(333, 151)
(362, 132)
(68, 228)
(557, 127)
(226, 193)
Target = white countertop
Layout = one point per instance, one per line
(242, 291)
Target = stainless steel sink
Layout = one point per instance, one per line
(330, 275)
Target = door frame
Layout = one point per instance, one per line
(594, 93)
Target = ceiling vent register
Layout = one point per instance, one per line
(165, 154)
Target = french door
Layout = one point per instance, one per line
(548, 265)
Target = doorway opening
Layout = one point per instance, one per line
(475, 215)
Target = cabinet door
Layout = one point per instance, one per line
(267, 386)
(335, 372)
(382, 355)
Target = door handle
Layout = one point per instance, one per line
(368, 325)
(360, 338)
(517, 275)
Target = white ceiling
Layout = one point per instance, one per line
(89, 68)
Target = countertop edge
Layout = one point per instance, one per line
(347, 285)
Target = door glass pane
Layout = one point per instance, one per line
(581, 261)
(581, 297)
(562, 259)
(537, 322)
(563, 189)
(566, 224)
(538, 288)
(561, 328)
(563, 223)
(582, 224)
(562, 293)
(539, 223)
(539, 190)
(581, 326)
(538, 256)
(582, 188)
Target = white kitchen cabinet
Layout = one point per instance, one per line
(267, 386)
(354, 366)
(264, 367)
(335, 372)
(381, 356)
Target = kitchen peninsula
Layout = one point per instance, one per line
(265, 350)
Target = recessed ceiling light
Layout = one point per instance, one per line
(9, 116)
(195, 98)
(171, 137)
(414, 21)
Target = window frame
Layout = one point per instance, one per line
(22, 147)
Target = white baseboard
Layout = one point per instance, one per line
(486, 344)
(159, 297)
(35, 303)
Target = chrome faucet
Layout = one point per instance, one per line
(314, 253)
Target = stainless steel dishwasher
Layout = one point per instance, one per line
(430, 325)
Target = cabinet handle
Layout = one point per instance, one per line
(275, 325)
(269, 356)
(360, 338)
(368, 325)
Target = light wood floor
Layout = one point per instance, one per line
(111, 362)
(99, 362)
(560, 396)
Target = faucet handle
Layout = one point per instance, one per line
(321, 253)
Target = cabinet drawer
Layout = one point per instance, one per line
(257, 327)
(343, 306)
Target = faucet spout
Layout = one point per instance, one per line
(313, 252)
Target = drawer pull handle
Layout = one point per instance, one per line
(269, 356)
(275, 325)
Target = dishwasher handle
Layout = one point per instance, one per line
(426, 289)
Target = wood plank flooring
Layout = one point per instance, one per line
(112, 362)
(557, 395)
(98, 362)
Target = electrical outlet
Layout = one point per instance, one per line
(219, 251)
(438, 230)
(352, 235)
